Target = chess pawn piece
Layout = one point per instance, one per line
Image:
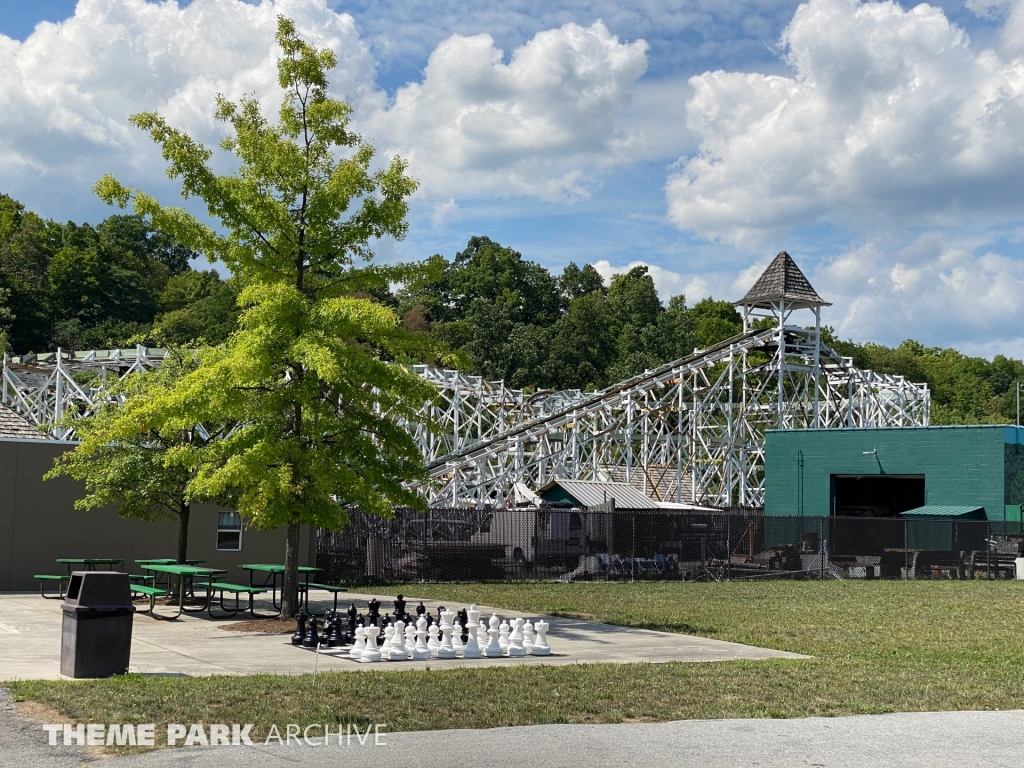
(503, 636)
(457, 635)
(353, 614)
(397, 652)
(400, 607)
(420, 610)
(493, 649)
(410, 638)
(312, 638)
(370, 653)
(300, 629)
(421, 652)
(446, 650)
(515, 640)
(432, 642)
(360, 643)
(481, 634)
(528, 635)
(334, 632)
(389, 636)
(540, 645)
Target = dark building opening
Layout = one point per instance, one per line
(876, 495)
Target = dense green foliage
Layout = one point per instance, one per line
(120, 282)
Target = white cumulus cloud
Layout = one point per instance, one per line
(534, 125)
(890, 118)
(67, 91)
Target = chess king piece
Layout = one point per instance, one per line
(446, 650)
(421, 652)
(528, 635)
(370, 653)
(503, 635)
(360, 643)
(300, 629)
(397, 652)
(515, 640)
(493, 649)
(312, 637)
(540, 645)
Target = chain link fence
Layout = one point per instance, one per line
(552, 543)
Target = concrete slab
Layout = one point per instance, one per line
(195, 645)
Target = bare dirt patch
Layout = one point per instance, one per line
(262, 626)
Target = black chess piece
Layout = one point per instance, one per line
(374, 608)
(464, 621)
(334, 637)
(440, 610)
(400, 607)
(382, 637)
(300, 629)
(420, 609)
(312, 638)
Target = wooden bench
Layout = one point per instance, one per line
(327, 588)
(45, 577)
(151, 592)
(236, 590)
(992, 564)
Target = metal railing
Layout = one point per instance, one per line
(564, 544)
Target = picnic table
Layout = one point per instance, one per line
(165, 561)
(90, 563)
(270, 580)
(186, 572)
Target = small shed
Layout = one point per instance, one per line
(602, 496)
(934, 527)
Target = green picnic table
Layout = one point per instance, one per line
(166, 561)
(273, 569)
(90, 563)
(186, 572)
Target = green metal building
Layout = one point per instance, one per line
(885, 472)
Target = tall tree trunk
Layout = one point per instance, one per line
(290, 581)
(184, 512)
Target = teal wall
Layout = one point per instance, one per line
(981, 465)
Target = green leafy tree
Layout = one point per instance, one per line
(128, 460)
(307, 375)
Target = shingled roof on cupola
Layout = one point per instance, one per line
(782, 281)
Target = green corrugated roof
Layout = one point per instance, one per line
(939, 510)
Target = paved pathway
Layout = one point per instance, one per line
(912, 740)
(195, 645)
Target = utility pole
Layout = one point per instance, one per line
(1018, 403)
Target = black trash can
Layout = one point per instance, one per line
(96, 637)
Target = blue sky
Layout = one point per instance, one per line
(878, 143)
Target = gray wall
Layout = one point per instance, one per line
(38, 523)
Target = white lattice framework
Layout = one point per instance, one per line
(690, 431)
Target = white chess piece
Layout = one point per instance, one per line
(370, 653)
(528, 635)
(410, 638)
(472, 647)
(397, 652)
(481, 634)
(540, 645)
(503, 636)
(446, 650)
(421, 652)
(515, 640)
(493, 649)
(432, 642)
(359, 645)
(389, 638)
(457, 635)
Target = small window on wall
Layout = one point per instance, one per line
(229, 531)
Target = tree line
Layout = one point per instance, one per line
(123, 282)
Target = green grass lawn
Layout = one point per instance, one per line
(878, 647)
